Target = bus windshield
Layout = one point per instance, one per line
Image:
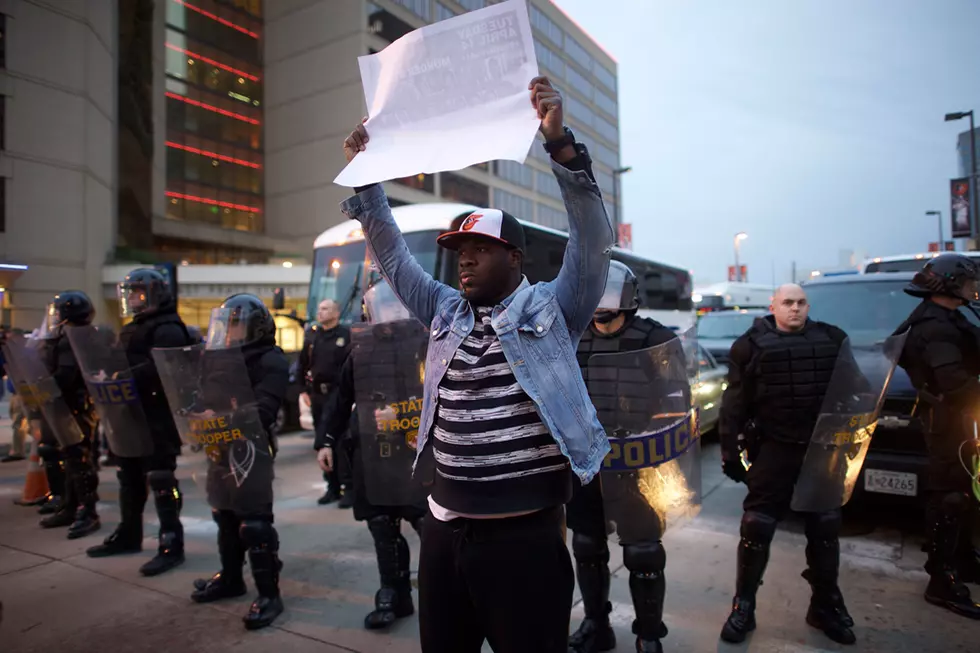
(725, 326)
(338, 272)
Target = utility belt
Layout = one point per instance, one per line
(321, 388)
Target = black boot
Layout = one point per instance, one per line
(592, 569)
(967, 557)
(170, 547)
(827, 611)
(646, 563)
(85, 480)
(394, 599)
(753, 556)
(54, 471)
(263, 546)
(227, 583)
(945, 588)
(65, 516)
(128, 536)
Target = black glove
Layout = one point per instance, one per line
(734, 469)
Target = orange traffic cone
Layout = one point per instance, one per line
(36, 482)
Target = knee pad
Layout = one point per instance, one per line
(259, 534)
(49, 453)
(588, 548)
(758, 527)
(823, 525)
(384, 527)
(161, 481)
(646, 559)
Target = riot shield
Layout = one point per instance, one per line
(652, 475)
(215, 411)
(112, 384)
(41, 392)
(389, 367)
(847, 420)
(32, 407)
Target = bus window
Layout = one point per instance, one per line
(543, 256)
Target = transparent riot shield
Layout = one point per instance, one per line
(389, 365)
(32, 407)
(652, 475)
(112, 384)
(846, 423)
(215, 410)
(41, 391)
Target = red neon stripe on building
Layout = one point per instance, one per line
(208, 107)
(207, 200)
(218, 64)
(227, 23)
(213, 155)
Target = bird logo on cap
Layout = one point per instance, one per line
(470, 221)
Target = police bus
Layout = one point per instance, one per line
(731, 296)
(338, 271)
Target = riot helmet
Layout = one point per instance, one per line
(72, 307)
(950, 275)
(143, 291)
(622, 294)
(382, 306)
(240, 320)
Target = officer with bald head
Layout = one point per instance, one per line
(778, 374)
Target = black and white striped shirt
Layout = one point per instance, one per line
(493, 453)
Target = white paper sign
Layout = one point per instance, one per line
(448, 96)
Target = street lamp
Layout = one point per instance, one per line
(616, 173)
(939, 214)
(975, 227)
(740, 236)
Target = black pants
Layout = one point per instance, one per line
(508, 581)
(339, 475)
(772, 477)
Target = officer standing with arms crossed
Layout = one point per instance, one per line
(615, 328)
(778, 375)
(325, 348)
(78, 506)
(942, 358)
(145, 296)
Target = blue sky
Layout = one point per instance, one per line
(812, 125)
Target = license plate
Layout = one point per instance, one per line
(885, 482)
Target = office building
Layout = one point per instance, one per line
(208, 132)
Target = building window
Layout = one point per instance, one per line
(606, 129)
(3, 204)
(550, 217)
(577, 81)
(606, 155)
(514, 172)
(579, 111)
(422, 182)
(578, 53)
(605, 182)
(547, 26)
(517, 206)
(548, 185)
(607, 78)
(463, 190)
(549, 59)
(443, 12)
(418, 7)
(218, 25)
(472, 5)
(606, 103)
(384, 24)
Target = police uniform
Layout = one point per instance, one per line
(250, 530)
(146, 297)
(324, 352)
(776, 386)
(942, 358)
(79, 477)
(373, 368)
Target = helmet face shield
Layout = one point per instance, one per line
(382, 305)
(612, 296)
(52, 320)
(228, 328)
(133, 299)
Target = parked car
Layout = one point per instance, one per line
(718, 330)
(869, 307)
(709, 388)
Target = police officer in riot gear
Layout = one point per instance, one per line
(243, 322)
(392, 347)
(615, 328)
(778, 375)
(145, 296)
(78, 474)
(942, 358)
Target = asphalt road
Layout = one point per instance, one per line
(56, 599)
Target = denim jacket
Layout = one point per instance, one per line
(539, 326)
